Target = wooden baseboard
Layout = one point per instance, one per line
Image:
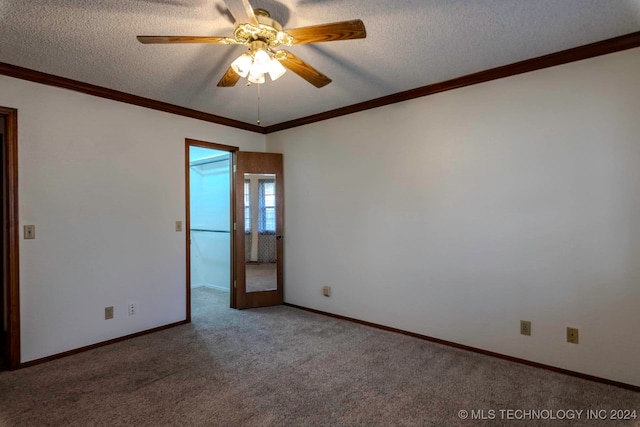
(100, 344)
(473, 349)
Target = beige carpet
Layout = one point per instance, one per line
(284, 367)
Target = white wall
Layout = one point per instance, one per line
(458, 214)
(104, 183)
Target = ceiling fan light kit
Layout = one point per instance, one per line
(242, 65)
(261, 34)
(258, 62)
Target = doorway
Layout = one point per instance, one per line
(234, 226)
(10, 295)
(209, 222)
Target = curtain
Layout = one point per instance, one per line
(266, 206)
(247, 206)
(266, 220)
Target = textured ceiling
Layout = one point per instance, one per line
(410, 43)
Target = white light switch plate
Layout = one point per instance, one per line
(29, 231)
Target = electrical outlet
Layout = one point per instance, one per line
(326, 291)
(178, 225)
(108, 313)
(29, 231)
(525, 327)
(132, 308)
(572, 335)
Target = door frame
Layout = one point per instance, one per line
(11, 243)
(232, 215)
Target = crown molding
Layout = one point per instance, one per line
(115, 95)
(616, 44)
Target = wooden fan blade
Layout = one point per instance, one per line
(302, 69)
(346, 30)
(229, 79)
(184, 39)
(242, 11)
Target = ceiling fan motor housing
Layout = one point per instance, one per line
(268, 31)
(261, 34)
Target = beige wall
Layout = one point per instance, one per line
(459, 214)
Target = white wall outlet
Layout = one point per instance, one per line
(108, 313)
(132, 308)
(29, 231)
(178, 225)
(326, 291)
(572, 335)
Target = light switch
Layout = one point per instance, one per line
(29, 231)
(178, 225)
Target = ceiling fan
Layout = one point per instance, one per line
(261, 34)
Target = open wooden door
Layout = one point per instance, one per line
(259, 200)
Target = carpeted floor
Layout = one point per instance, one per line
(280, 366)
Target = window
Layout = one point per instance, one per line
(267, 206)
(247, 206)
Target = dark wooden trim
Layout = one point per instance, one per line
(234, 218)
(100, 344)
(212, 145)
(115, 95)
(473, 349)
(187, 226)
(616, 44)
(604, 47)
(187, 229)
(13, 235)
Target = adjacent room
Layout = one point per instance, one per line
(320, 213)
(209, 222)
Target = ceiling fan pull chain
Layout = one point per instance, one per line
(258, 104)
